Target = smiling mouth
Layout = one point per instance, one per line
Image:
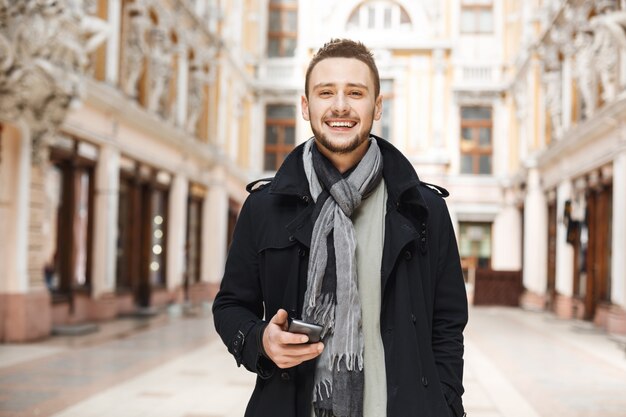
(342, 124)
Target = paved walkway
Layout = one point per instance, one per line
(518, 364)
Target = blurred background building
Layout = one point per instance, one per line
(129, 129)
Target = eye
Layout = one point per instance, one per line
(356, 93)
(325, 93)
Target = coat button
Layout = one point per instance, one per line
(413, 318)
(424, 381)
(408, 255)
(292, 238)
(302, 252)
(285, 376)
(305, 198)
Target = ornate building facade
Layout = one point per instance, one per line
(125, 130)
(129, 129)
(566, 82)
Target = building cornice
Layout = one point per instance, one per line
(604, 121)
(125, 111)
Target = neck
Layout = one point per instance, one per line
(344, 161)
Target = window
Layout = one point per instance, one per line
(70, 183)
(474, 247)
(477, 17)
(283, 28)
(280, 134)
(142, 232)
(379, 15)
(193, 245)
(158, 229)
(476, 140)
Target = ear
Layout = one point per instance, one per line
(378, 107)
(305, 108)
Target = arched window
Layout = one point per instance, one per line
(379, 15)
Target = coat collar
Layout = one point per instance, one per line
(399, 175)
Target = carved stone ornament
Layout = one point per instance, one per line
(159, 70)
(44, 48)
(198, 79)
(584, 72)
(552, 87)
(609, 39)
(135, 45)
(520, 98)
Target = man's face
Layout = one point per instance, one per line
(341, 106)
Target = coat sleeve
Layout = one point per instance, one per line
(449, 315)
(238, 307)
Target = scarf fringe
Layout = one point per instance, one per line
(326, 385)
(353, 361)
(322, 312)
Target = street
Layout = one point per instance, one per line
(518, 364)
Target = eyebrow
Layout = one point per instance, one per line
(322, 85)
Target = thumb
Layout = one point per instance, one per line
(280, 318)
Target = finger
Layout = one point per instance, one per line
(280, 318)
(287, 338)
(288, 361)
(300, 351)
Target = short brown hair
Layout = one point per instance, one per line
(344, 48)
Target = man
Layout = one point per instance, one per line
(347, 237)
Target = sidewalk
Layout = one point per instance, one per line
(518, 364)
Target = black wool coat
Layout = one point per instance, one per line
(424, 303)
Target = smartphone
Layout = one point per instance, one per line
(314, 331)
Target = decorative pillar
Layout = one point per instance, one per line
(567, 80)
(176, 232)
(14, 202)
(535, 243)
(25, 314)
(182, 86)
(616, 322)
(507, 235)
(106, 204)
(439, 92)
(215, 230)
(564, 306)
(412, 105)
(114, 13)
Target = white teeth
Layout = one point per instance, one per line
(341, 124)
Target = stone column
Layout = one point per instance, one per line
(106, 205)
(439, 93)
(564, 256)
(114, 13)
(182, 86)
(535, 242)
(25, 314)
(507, 236)
(214, 230)
(617, 316)
(567, 79)
(15, 171)
(176, 232)
(412, 105)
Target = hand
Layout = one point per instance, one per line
(287, 349)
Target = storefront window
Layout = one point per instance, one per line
(194, 239)
(157, 246)
(69, 198)
(474, 247)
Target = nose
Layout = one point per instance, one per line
(340, 104)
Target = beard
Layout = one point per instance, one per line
(345, 146)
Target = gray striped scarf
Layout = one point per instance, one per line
(332, 297)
